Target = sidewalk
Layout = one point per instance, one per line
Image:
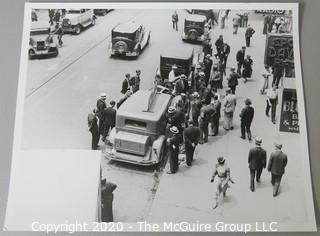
(188, 194)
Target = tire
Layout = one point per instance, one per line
(31, 54)
(193, 35)
(93, 21)
(77, 29)
(148, 40)
(56, 53)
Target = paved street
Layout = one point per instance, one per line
(62, 91)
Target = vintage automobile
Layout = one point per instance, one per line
(182, 57)
(139, 134)
(76, 20)
(41, 42)
(101, 12)
(194, 28)
(128, 39)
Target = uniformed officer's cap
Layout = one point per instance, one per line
(201, 73)
(183, 76)
(174, 130)
(171, 109)
(258, 141)
(221, 160)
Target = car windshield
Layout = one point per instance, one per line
(39, 31)
(116, 34)
(194, 23)
(136, 124)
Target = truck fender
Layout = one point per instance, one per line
(157, 146)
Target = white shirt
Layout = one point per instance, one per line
(172, 77)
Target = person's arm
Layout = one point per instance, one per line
(264, 159)
(214, 173)
(250, 156)
(270, 162)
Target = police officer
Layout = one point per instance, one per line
(191, 139)
(173, 143)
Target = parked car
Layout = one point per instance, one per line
(101, 12)
(41, 41)
(139, 134)
(76, 20)
(129, 39)
(194, 28)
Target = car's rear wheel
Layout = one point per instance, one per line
(77, 29)
(93, 21)
(56, 52)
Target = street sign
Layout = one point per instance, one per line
(289, 119)
(279, 48)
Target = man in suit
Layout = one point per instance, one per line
(246, 116)
(109, 119)
(136, 81)
(233, 80)
(230, 103)
(216, 116)
(191, 139)
(101, 105)
(173, 143)
(122, 100)
(240, 58)
(107, 189)
(249, 33)
(94, 130)
(219, 44)
(126, 84)
(206, 113)
(257, 161)
(277, 164)
(196, 105)
(225, 51)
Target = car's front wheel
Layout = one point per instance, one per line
(31, 53)
(77, 30)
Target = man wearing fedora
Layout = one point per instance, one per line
(257, 160)
(173, 143)
(191, 139)
(126, 84)
(176, 118)
(230, 103)
(107, 189)
(246, 116)
(101, 106)
(233, 79)
(277, 163)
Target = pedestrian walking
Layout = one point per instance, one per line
(247, 68)
(246, 115)
(94, 129)
(109, 119)
(229, 105)
(57, 16)
(101, 106)
(215, 78)
(233, 80)
(126, 84)
(191, 140)
(221, 172)
(175, 19)
(272, 100)
(173, 143)
(196, 105)
(276, 166)
(216, 116)
(240, 58)
(257, 160)
(235, 24)
(107, 189)
(59, 32)
(136, 81)
(51, 16)
(266, 74)
(278, 72)
(219, 44)
(207, 67)
(225, 51)
(245, 19)
(248, 35)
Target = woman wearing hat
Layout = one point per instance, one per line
(222, 172)
(246, 116)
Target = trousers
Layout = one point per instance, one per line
(275, 181)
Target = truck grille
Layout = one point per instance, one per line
(41, 45)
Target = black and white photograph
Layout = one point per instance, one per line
(160, 117)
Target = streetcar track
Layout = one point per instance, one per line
(74, 61)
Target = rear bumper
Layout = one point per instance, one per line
(146, 160)
(198, 39)
(123, 53)
(43, 53)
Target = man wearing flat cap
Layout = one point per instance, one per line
(246, 116)
(277, 163)
(173, 143)
(257, 161)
